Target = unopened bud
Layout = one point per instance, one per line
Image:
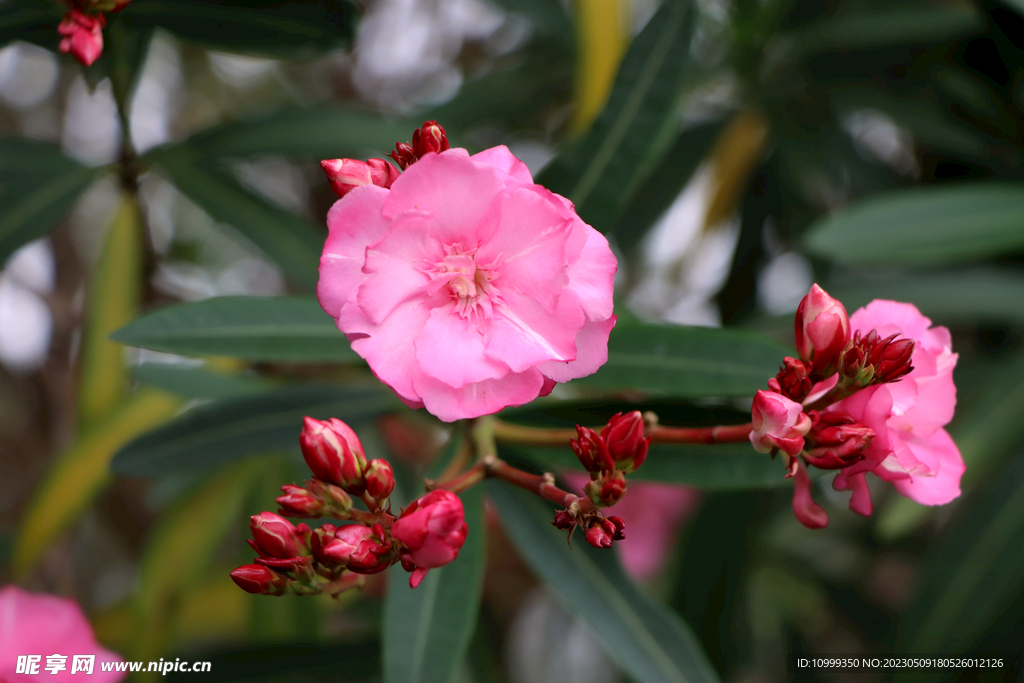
(334, 454)
(793, 380)
(336, 502)
(777, 423)
(891, 358)
(254, 578)
(563, 521)
(345, 175)
(82, 36)
(298, 502)
(403, 155)
(618, 527)
(606, 490)
(598, 536)
(275, 536)
(836, 440)
(591, 450)
(624, 437)
(431, 138)
(355, 547)
(822, 330)
(380, 479)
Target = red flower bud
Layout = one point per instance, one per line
(624, 437)
(822, 331)
(254, 578)
(82, 36)
(380, 479)
(432, 529)
(431, 138)
(606, 490)
(793, 380)
(334, 454)
(346, 175)
(403, 155)
(298, 502)
(778, 423)
(591, 450)
(563, 521)
(836, 440)
(618, 527)
(891, 358)
(358, 548)
(275, 536)
(598, 536)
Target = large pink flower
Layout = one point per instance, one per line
(911, 449)
(35, 624)
(467, 287)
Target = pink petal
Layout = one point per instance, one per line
(890, 316)
(395, 267)
(504, 161)
(458, 192)
(355, 222)
(592, 275)
(480, 398)
(809, 513)
(451, 349)
(942, 484)
(523, 334)
(388, 347)
(860, 500)
(591, 353)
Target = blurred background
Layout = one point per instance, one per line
(733, 151)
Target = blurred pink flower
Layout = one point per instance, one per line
(910, 448)
(37, 624)
(654, 514)
(467, 287)
(82, 36)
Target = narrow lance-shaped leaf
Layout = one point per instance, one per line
(650, 643)
(292, 242)
(240, 427)
(279, 329)
(604, 168)
(427, 629)
(688, 362)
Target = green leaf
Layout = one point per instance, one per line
(973, 573)
(891, 24)
(316, 133)
(277, 29)
(427, 630)
(947, 296)
(34, 21)
(687, 362)
(650, 643)
(292, 242)
(198, 382)
(254, 328)
(237, 428)
(604, 168)
(924, 226)
(713, 467)
(38, 187)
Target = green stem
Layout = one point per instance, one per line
(506, 432)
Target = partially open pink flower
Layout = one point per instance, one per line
(345, 175)
(778, 423)
(82, 36)
(432, 530)
(910, 447)
(467, 287)
(41, 625)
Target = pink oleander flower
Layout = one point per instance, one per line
(432, 530)
(37, 624)
(778, 423)
(82, 36)
(822, 331)
(467, 287)
(910, 448)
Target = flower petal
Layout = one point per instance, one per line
(591, 353)
(451, 349)
(480, 398)
(354, 223)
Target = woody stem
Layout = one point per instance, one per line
(506, 432)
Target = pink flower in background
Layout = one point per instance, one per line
(82, 36)
(467, 287)
(778, 423)
(910, 447)
(654, 513)
(37, 624)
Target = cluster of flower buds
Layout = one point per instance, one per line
(599, 531)
(430, 139)
(429, 533)
(619, 448)
(870, 360)
(81, 30)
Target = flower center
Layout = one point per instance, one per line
(466, 282)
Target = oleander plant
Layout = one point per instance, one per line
(669, 341)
